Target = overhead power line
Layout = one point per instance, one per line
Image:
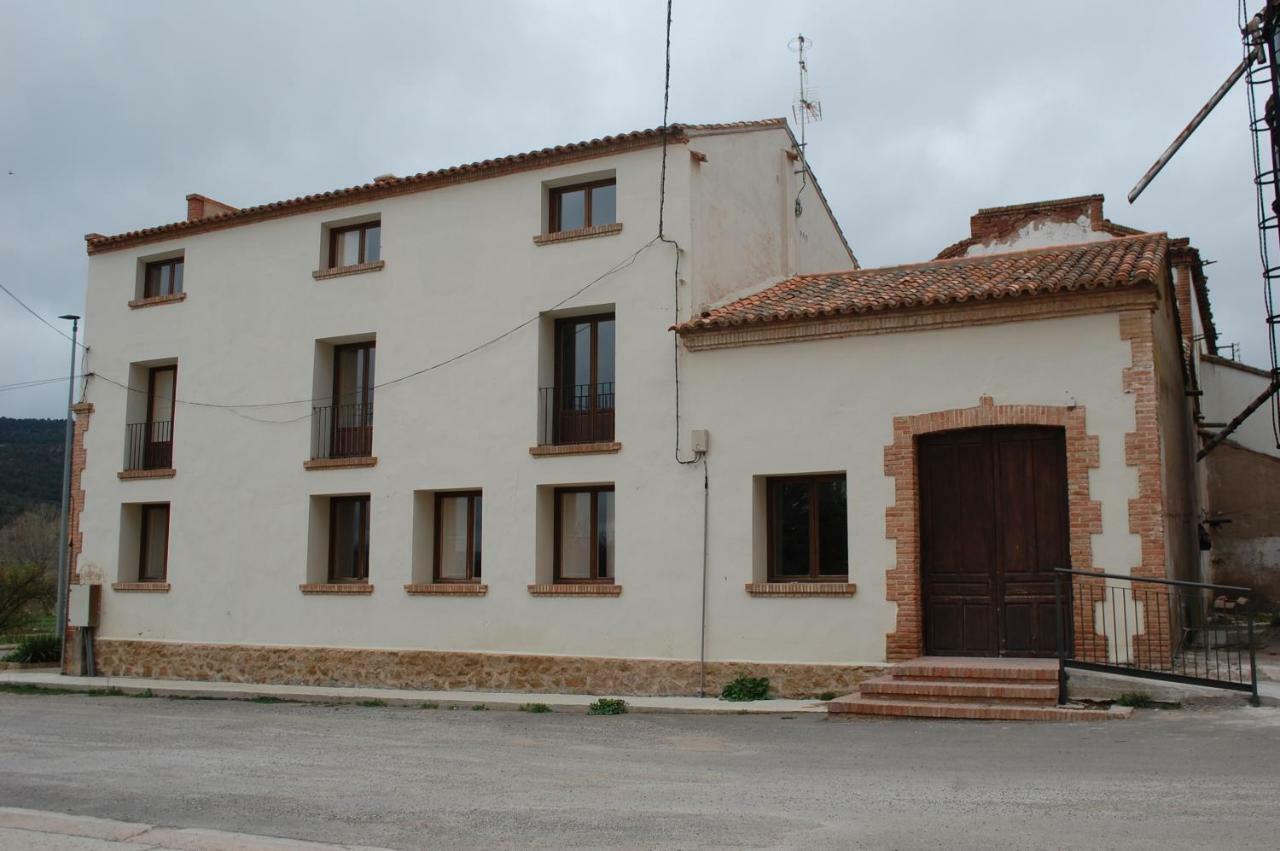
(28, 309)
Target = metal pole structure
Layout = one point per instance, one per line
(64, 548)
(1272, 389)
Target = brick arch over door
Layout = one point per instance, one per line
(902, 522)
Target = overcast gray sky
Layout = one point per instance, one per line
(111, 112)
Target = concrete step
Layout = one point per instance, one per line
(968, 668)
(957, 691)
(854, 705)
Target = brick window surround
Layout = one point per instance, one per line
(902, 522)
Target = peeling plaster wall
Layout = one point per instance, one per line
(1042, 233)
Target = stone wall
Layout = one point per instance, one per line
(429, 669)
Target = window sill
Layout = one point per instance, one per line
(343, 271)
(340, 463)
(579, 233)
(575, 449)
(336, 588)
(801, 589)
(157, 300)
(164, 473)
(152, 587)
(446, 589)
(575, 589)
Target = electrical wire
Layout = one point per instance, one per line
(28, 309)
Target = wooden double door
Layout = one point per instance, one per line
(994, 524)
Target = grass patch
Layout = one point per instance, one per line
(828, 695)
(372, 703)
(266, 698)
(479, 707)
(1136, 699)
(430, 704)
(608, 706)
(23, 688)
(743, 688)
(535, 708)
(146, 692)
(105, 692)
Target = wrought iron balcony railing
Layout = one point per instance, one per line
(342, 431)
(579, 413)
(149, 446)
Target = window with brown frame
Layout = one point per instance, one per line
(349, 539)
(162, 277)
(808, 528)
(153, 544)
(582, 400)
(583, 205)
(355, 244)
(457, 544)
(584, 534)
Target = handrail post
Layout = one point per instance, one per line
(1253, 661)
(1061, 638)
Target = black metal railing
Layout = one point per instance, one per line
(149, 446)
(1164, 629)
(342, 431)
(576, 413)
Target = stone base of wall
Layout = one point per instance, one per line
(447, 671)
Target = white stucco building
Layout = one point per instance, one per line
(482, 428)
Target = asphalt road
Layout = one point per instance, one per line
(422, 778)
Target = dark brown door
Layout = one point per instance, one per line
(993, 526)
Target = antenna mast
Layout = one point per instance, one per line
(805, 110)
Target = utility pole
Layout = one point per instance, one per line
(64, 540)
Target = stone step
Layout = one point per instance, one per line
(854, 705)
(957, 691)
(966, 668)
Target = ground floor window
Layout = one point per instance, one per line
(457, 540)
(808, 523)
(349, 539)
(153, 545)
(584, 534)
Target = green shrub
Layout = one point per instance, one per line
(105, 692)
(372, 703)
(266, 698)
(26, 593)
(746, 688)
(36, 648)
(828, 695)
(1136, 699)
(534, 707)
(430, 704)
(608, 706)
(479, 707)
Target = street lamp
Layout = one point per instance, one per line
(64, 550)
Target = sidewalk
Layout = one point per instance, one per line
(51, 679)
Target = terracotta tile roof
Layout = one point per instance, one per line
(1120, 262)
(388, 186)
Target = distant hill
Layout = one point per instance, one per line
(30, 465)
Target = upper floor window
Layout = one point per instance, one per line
(150, 441)
(355, 244)
(583, 205)
(580, 405)
(162, 278)
(808, 528)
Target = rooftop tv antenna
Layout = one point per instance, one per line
(806, 110)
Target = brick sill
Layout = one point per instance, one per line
(801, 589)
(165, 473)
(575, 449)
(153, 587)
(343, 271)
(580, 233)
(340, 463)
(336, 588)
(573, 589)
(446, 589)
(157, 300)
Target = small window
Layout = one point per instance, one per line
(584, 534)
(153, 546)
(356, 244)
(584, 205)
(808, 529)
(163, 277)
(349, 539)
(458, 537)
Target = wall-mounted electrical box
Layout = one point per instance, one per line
(700, 441)
(82, 609)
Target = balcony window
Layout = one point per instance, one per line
(150, 442)
(584, 534)
(579, 408)
(349, 539)
(153, 544)
(808, 529)
(457, 525)
(162, 278)
(583, 205)
(345, 428)
(355, 244)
